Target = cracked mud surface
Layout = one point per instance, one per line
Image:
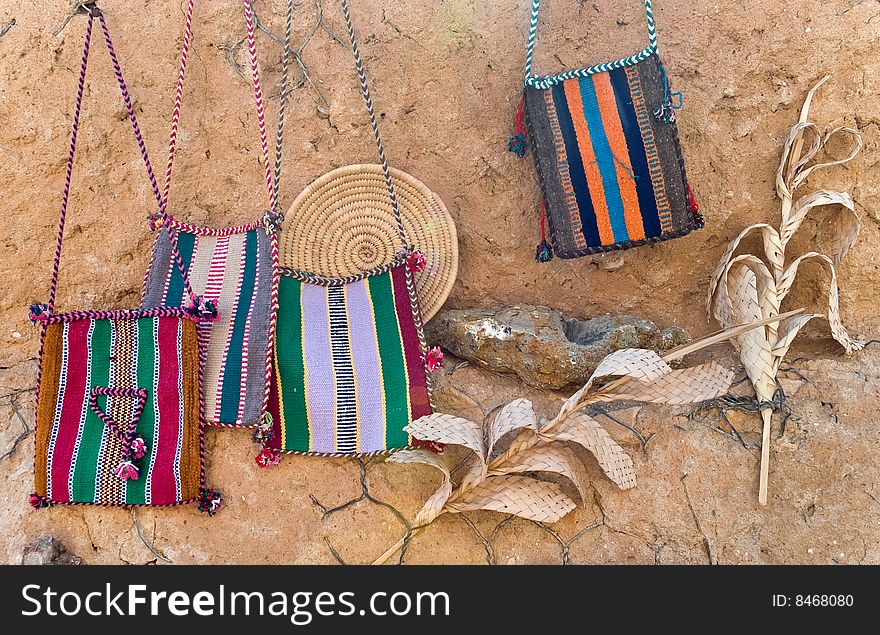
(446, 76)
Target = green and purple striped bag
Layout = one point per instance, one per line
(350, 363)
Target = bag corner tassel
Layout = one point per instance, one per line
(434, 359)
(416, 261)
(263, 434)
(210, 501)
(517, 142)
(544, 250)
(38, 313)
(38, 502)
(665, 112)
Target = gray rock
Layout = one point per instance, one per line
(48, 550)
(540, 345)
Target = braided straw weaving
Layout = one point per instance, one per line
(492, 477)
(343, 224)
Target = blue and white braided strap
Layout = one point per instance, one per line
(542, 82)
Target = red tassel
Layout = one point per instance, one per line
(38, 502)
(692, 202)
(268, 457)
(434, 359)
(433, 446)
(416, 261)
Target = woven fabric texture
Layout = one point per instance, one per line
(233, 271)
(118, 417)
(611, 172)
(78, 453)
(349, 367)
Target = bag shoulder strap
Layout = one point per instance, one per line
(538, 81)
(368, 100)
(94, 12)
(272, 176)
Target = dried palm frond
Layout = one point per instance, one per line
(498, 481)
(746, 288)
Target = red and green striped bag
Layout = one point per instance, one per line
(118, 417)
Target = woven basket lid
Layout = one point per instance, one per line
(342, 225)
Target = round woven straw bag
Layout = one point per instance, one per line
(342, 225)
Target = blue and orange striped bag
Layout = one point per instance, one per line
(607, 152)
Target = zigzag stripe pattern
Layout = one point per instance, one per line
(542, 82)
(533, 32)
(217, 232)
(279, 140)
(273, 183)
(118, 314)
(94, 12)
(126, 437)
(53, 284)
(420, 330)
(258, 92)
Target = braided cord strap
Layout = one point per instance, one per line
(94, 12)
(368, 100)
(282, 100)
(125, 436)
(542, 82)
(274, 217)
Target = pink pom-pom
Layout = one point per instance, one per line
(126, 470)
(416, 261)
(434, 359)
(268, 457)
(38, 502)
(138, 447)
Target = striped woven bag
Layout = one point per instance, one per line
(607, 152)
(350, 360)
(118, 417)
(234, 267)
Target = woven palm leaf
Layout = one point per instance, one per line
(744, 288)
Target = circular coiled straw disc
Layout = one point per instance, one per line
(342, 225)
